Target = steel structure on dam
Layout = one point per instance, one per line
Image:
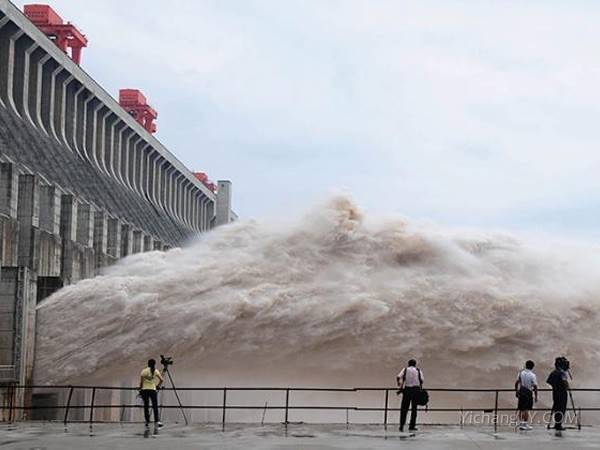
(81, 184)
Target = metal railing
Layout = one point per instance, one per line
(10, 403)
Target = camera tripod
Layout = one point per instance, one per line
(166, 362)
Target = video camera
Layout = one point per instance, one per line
(166, 361)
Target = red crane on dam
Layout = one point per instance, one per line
(203, 178)
(64, 35)
(135, 103)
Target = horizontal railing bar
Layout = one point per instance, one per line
(266, 388)
(303, 407)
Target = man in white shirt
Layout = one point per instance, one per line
(526, 389)
(410, 381)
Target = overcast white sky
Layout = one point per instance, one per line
(470, 113)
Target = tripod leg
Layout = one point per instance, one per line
(177, 397)
(573, 405)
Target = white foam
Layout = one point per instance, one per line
(330, 299)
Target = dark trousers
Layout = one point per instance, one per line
(559, 406)
(408, 400)
(147, 396)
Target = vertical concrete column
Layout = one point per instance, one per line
(177, 196)
(28, 79)
(179, 187)
(138, 166)
(15, 68)
(9, 189)
(95, 133)
(150, 181)
(22, 48)
(223, 213)
(186, 203)
(6, 28)
(119, 151)
(147, 172)
(194, 208)
(109, 139)
(8, 293)
(55, 96)
(137, 243)
(9, 227)
(209, 219)
(50, 240)
(39, 90)
(49, 72)
(50, 208)
(100, 237)
(159, 184)
(64, 116)
(86, 130)
(28, 215)
(85, 238)
(148, 243)
(68, 231)
(71, 90)
(78, 120)
(17, 326)
(203, 211)
(128, 160)
(113, 247)
(85, 224)
(126, 240)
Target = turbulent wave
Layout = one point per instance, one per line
(330, 297)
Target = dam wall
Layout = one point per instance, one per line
(82, 184)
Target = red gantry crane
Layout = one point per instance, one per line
(64, 35)
(203, 178)
(134, 102)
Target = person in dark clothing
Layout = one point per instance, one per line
(410, 381)
(559, 380)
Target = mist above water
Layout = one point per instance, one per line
(331, 299)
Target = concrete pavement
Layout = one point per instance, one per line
(54, 436)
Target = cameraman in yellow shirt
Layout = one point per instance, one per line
(148, 387)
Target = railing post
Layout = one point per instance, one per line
(287, 404)
(224, 406)
(92, 406)
(10, 391)
(496, 414)
(385, 413)
(579, 419)
(68, 405)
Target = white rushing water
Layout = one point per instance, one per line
(331, 299)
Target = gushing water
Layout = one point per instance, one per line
(330, 299)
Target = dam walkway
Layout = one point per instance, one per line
(54, 436)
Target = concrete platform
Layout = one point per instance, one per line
(53, 436)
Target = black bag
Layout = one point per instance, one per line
(422, 397)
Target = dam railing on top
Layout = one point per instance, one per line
(478, 412)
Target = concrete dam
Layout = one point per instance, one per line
(82, 183)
